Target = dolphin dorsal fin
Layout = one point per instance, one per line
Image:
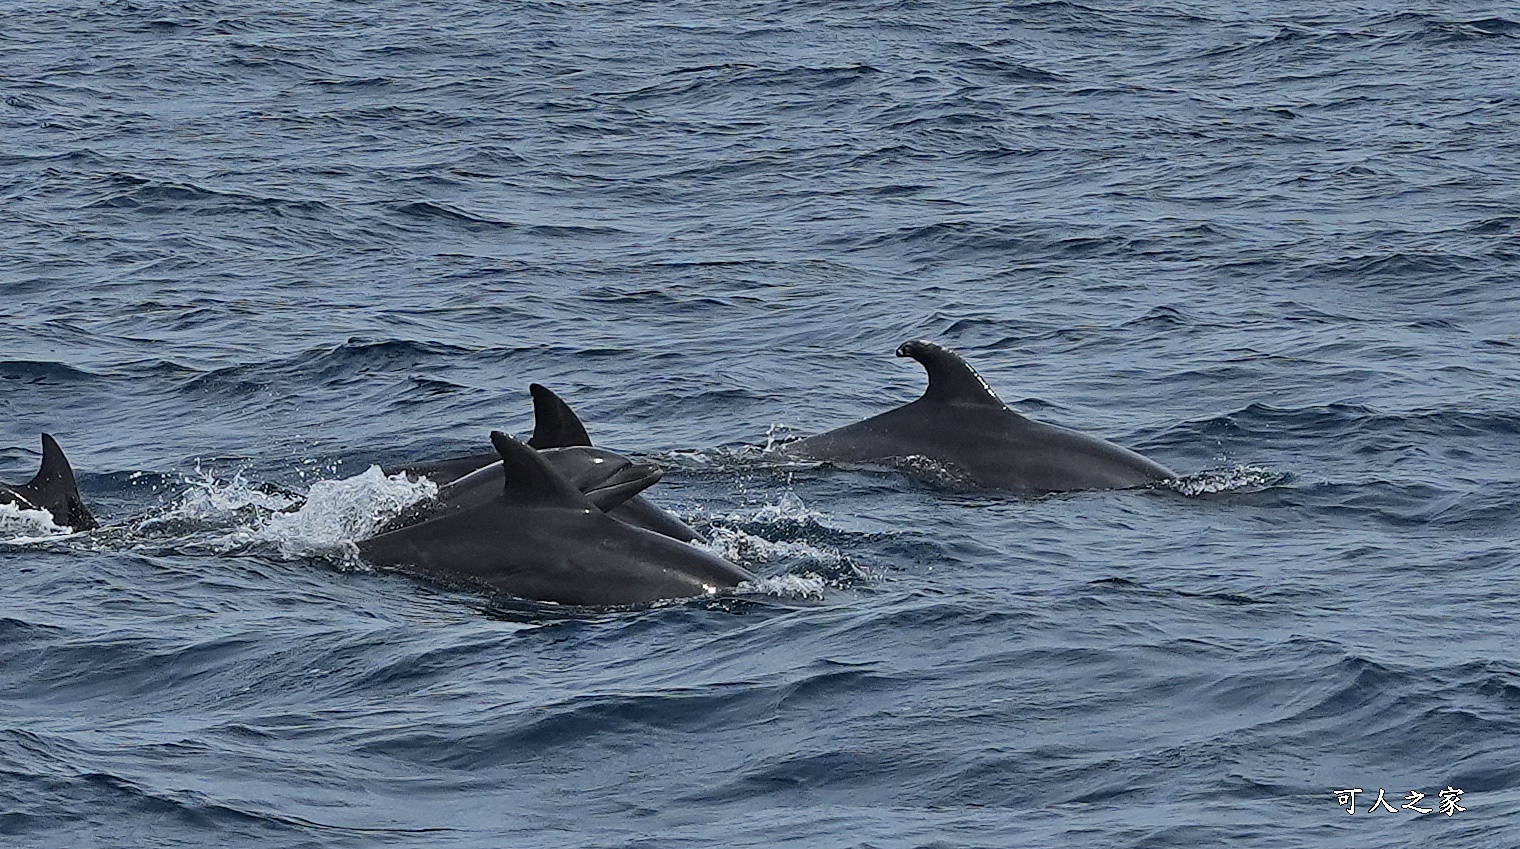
(55, 490)
(531, 480)
(555, 425)
(55, 468)
(951, 380)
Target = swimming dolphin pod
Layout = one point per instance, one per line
(559, 520)
(961, 424)
(539, 537)
(53, 489)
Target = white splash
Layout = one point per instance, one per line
(789, 509)
(1238, 479)
(207, 498)
(741, 547)
(337, 513)
(804, 586)
(789, 516)
(21, 526)
(777, 434)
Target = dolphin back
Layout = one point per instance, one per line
(963, 428)
(535, 536)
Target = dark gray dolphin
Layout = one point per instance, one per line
(961, 424)
(555, 425)
(53, 490)
(605, 478)
(540, 538)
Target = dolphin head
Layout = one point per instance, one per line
(606, 477)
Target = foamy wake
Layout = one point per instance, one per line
(805, 586)
(789, 509)
(1238, 479)
(809, 566)
(751, 550)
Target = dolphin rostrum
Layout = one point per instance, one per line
(53, 490)
(539, 537)
(960, 424)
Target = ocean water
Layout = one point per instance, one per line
(253, 249)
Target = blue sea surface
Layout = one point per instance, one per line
(253, 249)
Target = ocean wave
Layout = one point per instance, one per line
(144, 195)
(43, 372)
(324, 366)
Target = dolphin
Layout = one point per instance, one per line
(962, 425)
(53, 490)
(555, 425)
(605, 478)
(538, 537)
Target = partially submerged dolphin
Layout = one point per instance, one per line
(605, 478)
(539, 537)
(53, 490)
(555, 425)
(962, 425)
